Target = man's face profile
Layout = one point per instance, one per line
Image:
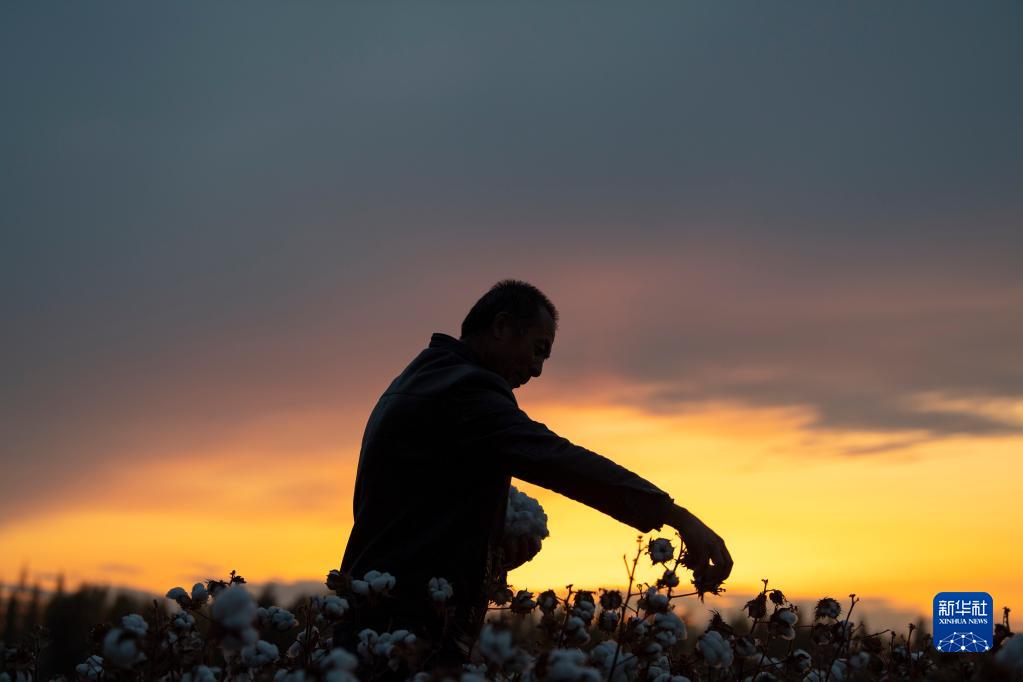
(518, 354)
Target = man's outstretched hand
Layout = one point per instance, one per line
(703, 546)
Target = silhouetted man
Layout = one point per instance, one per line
(438, 455)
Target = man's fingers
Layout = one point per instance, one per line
(717, 556)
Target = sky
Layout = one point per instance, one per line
(784, 242)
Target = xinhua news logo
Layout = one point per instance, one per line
(963, 622)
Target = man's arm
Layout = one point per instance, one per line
(490, 423)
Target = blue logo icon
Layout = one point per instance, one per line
(963, 621)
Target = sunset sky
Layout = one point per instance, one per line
(785, 242)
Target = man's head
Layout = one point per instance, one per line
(512, 329)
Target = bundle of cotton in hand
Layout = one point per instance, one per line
(525, 516)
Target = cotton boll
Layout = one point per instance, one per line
(234, 608)
(602, 655)
(183, 621)
(135, 623)
(660, 550)
(653, 601)
(669, 579)
(668, 629)
(334, 607)
(92, 668)
(276, 618)
(547, 601)
(374, 582)
(608, 621)
(716, 651)
(787, 616)
(120, 648)
(440, 590)
(802, 659)
(259, 653)
(524, 516)
(827, 608)
(179, 595)
(575, 631)
(496, 645)
(199, 594)
(569, 665)
(660, 669)
(283, 675)
(339, 658)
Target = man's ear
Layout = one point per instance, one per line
(504, 325)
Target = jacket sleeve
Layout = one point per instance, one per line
(489, 423)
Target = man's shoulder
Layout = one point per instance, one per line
(438, 372)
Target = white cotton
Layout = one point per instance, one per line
(575, 631)
(584, 610)
(602, 655)
(440, 589)
(276, 618)
(787, 616)
(340, 659)
(199, 593)
(569, 665)
(374, 582)
(524, 516)
(838, 670)
(368, 640)
(659, 669)
(92, 668)
(334, 607)
(234, 608)
(183, 621)
(547, 601)
(133, 622)
(258, 653)
(177, 594)
(283, 675)
(655, 601)
(803, 660)
(668, 629)
(120, 648)
(608, 620)
(716, 651)
(660, 550)
(496, 645)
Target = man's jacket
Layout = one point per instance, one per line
(437, 458)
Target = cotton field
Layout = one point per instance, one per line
(215, 631)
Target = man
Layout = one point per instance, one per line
(437, 458)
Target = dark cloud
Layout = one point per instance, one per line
(213, 216)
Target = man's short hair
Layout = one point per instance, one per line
(521, 299)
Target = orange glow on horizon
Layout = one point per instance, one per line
(790, 509)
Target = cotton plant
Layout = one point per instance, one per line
(570, 665)
(214, 632)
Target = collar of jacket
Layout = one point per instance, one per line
(448, 342)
